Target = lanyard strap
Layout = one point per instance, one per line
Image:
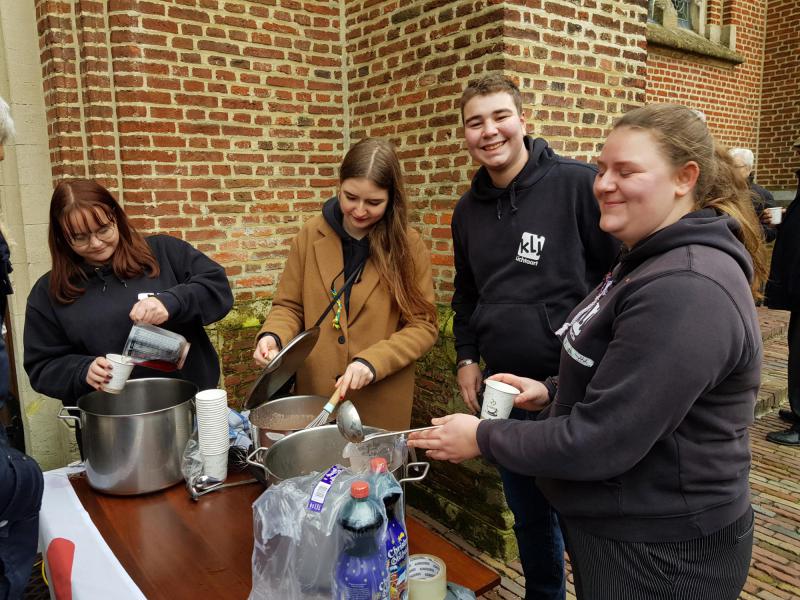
(347, 285)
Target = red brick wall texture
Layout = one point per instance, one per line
(223, 122)
(780, 103)
(755, 104)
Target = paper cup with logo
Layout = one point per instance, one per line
(498, 400)
(775, 215)
(121, 367)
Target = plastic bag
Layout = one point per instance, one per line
(393, 449)
(240, 445)
(192, 462)
(295, 534)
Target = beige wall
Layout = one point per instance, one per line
(25, 186)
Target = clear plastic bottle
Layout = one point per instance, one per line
(396, 535)
(360, 572)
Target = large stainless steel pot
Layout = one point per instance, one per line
(273, 420)
(133, 441)
(316, 449)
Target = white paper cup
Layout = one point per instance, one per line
(121, 367)
(212, 396)
(498, 400)
(216, 465)
(213, 435)
(775, 215)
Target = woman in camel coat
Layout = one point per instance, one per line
(386, 320)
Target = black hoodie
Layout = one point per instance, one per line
(62, 340)
(525, 255)
(646, 438)
(354, 252)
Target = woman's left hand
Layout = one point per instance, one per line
(149, 310)
(455, 440)
(355, 377)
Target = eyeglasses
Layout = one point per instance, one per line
(104, 234)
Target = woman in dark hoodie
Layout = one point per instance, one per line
(385, 319)
(642, 445)
(105, 277)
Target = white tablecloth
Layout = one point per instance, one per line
(92, 572)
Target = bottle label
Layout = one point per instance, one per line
(397, 559)
(362, 578)
(317, 500)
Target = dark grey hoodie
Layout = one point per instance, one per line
(646, 438)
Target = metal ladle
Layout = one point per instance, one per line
(204, 484)
(349, 423)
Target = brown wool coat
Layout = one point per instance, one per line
(372, 330)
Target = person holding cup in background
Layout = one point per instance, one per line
(767, 211)
(643, 446)
(106, 276)
(385, 320)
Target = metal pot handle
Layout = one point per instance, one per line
(64, 416)
(425, 467)
(251, 460)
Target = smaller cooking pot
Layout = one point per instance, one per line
(310, 450)
(276, 419)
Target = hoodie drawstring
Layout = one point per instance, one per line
(99, 272)
(512, 196)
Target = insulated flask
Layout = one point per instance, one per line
(360, 572)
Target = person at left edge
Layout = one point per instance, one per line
(21, 482)
(105, 277)
(386, 320)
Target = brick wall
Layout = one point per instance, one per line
(218, 122)
(408, 63)
(728, 94)
(780, 117)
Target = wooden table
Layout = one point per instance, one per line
(174, 547)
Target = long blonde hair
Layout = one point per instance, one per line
(375, 159)
(684, 137)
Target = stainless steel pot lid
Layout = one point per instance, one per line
(282, 367)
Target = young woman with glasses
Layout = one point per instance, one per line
(105, 277)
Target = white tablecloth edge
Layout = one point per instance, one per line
(96, 572)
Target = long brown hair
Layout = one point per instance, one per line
(684, 137)
(132, 257)
(375, 159)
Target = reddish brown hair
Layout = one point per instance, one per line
(132, 258)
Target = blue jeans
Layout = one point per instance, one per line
(21, 487)
(541, 545)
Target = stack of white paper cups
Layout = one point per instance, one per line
(212, 431)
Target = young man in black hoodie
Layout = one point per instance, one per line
(527, 249)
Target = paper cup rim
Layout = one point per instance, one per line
(210, 395)
(502, 387)
(120, 359)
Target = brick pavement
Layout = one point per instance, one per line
(775, 484)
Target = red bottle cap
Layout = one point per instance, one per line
(378, 465)
(359, 489)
